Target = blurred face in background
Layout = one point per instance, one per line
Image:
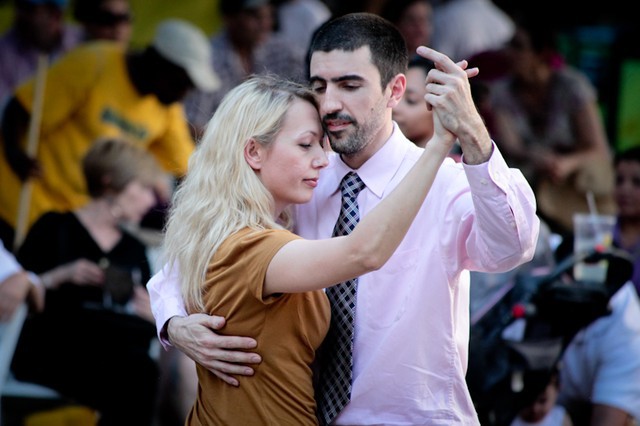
(415, 25)
(134, 201)
(537, 411)
(627, 189)
(250, 27)
(112, 21)
(411, 113)
(41, 25)
(170, 82)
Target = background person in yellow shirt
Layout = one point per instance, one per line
(102, 90)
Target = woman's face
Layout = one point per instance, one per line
(134, 201)
(627, 189)
(292, 163)
(411, 113)
(416, 24)
(521, 56)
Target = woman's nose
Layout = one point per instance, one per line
(321, 161)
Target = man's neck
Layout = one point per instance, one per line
(355, 161)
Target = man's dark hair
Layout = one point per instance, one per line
(630, 154)
(355, 30)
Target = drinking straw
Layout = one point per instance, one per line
(591, 202)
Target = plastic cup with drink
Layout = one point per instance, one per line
(592, 231)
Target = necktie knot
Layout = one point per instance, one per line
(351, 185)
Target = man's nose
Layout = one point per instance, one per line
(330, 102)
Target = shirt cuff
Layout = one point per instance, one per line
(35, 279)
(163, 336)
(490, 177)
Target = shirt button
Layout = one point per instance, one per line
(483, 181)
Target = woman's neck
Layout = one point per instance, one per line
(100, 218)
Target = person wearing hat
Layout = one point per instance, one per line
(102, 90)
(245, 45)
(38, 27)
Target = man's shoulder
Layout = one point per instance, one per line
(101, 47)
(624, 320)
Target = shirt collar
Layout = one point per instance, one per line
(376, 172)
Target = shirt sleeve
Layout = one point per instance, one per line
(8, 263)
(506, 226)
(9, 266)
(166, 300)
(164, 287)
(174, 147)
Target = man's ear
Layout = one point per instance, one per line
(254, 154)
(398, 85)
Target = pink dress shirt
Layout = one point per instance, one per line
(412, 315)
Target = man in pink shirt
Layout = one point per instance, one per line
(412, 316)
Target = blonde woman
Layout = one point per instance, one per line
(262, 151)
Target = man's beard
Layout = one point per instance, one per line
(351, 140)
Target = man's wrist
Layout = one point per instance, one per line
(476, 156)
(37, 289)
(47, 280)
(165, 335)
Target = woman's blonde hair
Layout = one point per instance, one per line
(221, 193)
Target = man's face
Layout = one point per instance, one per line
(171, 84)
(42, 24)
(627, 189)
(112, 22)
(352, 104)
